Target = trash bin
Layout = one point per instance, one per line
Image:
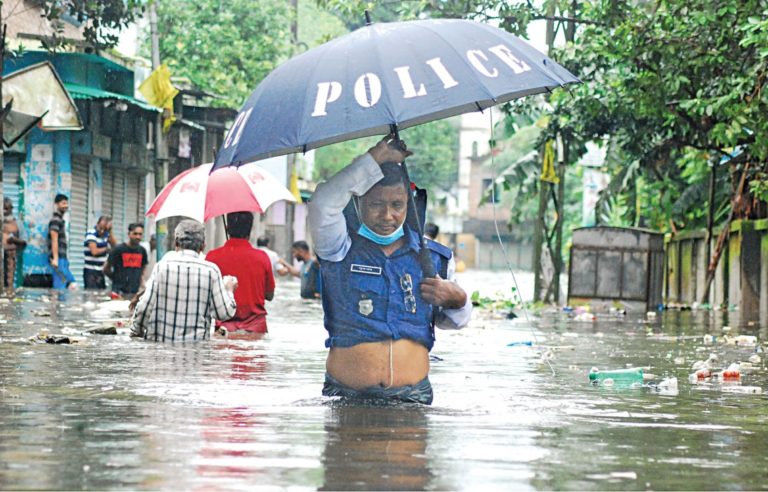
(611, 265)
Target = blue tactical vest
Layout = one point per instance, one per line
(363, 297)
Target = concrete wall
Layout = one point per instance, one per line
(46, 172)
(741, 278)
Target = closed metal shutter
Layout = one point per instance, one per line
(11, 173)
(106, 191)
(143, 201)
(78, 217)
(132, 213)
(119, 225)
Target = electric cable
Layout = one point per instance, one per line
(501, 243)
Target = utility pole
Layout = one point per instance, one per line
(543, 236)
(290, 207)
(540, 231)
(161, 149)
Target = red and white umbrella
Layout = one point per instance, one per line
(201, 194)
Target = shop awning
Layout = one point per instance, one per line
(84, 92)
(36, 95)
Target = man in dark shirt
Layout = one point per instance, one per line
(126, 263)
(57, 245)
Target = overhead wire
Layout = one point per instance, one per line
(501, 243)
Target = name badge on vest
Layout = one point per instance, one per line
(365, 306)
(366, 269)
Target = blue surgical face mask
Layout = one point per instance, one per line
(367, 233)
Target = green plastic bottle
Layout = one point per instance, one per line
(631, 375)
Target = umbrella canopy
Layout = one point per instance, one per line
(201, 194)
(385, 76)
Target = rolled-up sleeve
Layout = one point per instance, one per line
(326, 210)
(454, 319)
(143, 308)
(224, 305)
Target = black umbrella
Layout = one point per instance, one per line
(383, 78)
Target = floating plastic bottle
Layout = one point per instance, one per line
(699, 376)
(742, 340)
(631, 375)
(746, 367)
(669, 384)
(527, 343)
(732, 373)
(747, 390)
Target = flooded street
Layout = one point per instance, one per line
(111, 412)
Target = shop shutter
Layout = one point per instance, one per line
(78, 217)
(119, 225)
(132, 213)
(143, 201)
(11, 188)
(107, 194)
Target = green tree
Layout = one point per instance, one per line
(225, 47)
(433, 166)
(674, 86)
(102, 20)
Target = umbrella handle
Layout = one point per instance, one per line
(425, 258)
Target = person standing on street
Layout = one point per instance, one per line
(253, 271)
(380, 308)
(57, 245)
(184, 292)
(126, 263)
(431, 230)
(12, 242)
(277, 268)
(98, 242)
(309, 273)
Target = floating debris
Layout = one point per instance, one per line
(103, 330)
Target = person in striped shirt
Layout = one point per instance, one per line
(184, 293)
(98, 242)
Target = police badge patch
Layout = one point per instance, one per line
(365, 306)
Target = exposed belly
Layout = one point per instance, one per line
(368, 364)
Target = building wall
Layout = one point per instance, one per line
(25, 16)
(46, 172)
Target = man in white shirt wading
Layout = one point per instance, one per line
(184, 293)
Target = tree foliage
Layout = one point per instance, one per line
(672, 86)
(225, 47)
(433, 166)
(675, 86)
(102, 20)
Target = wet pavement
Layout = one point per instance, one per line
(111, 412)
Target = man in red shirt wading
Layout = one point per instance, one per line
(253, 270)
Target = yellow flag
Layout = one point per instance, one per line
(159, 91)
(294, 187)
(548, 173)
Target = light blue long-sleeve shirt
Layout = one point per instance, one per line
(329, 228)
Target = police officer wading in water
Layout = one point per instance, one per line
(379, 308)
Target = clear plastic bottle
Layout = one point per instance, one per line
(748, 390)
(631, 375)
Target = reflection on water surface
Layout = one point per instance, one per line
(246, 413)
